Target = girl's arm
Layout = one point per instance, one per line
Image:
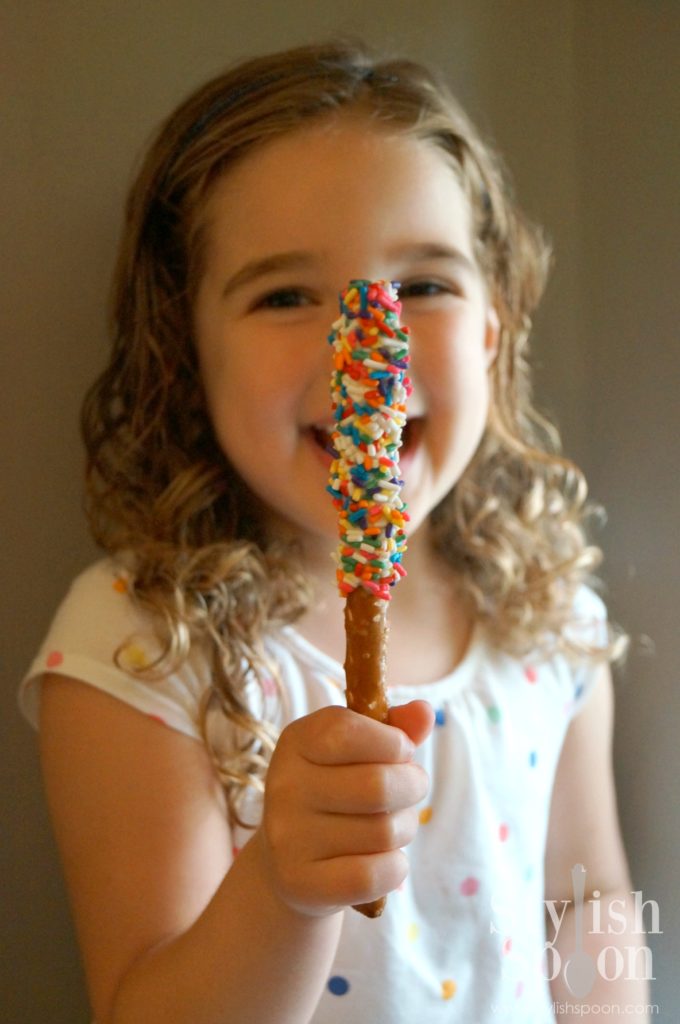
(584, 829)
(171, 931)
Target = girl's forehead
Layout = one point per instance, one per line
(343, 134)
(330, 173)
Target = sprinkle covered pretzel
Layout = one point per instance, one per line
(369, 388)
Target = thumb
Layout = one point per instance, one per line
(416, 719)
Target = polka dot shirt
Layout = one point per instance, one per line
(463, 939)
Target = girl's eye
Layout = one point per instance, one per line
(283, 298)
(419, 289)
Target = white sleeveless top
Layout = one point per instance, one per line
(464, 939)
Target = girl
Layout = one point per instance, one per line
(213, 843)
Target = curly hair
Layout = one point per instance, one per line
(160, 488)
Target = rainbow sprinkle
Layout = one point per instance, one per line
(369, 388)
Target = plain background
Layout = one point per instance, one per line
(582, 98)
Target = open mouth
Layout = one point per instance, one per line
(411, 434)
(322, 437)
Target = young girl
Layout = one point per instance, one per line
(214, 843)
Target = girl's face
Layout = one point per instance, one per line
(285, 230)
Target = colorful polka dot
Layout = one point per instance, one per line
(503, 832)
(530, 674)
(425, 816)
(120, 585)
(269, 687)
(449, 988)
(529, 873)
(235, 850)
(494, 714)
(338, 986)
(533, 758)
(578, 692)
(412, 932)
(157, 718)
(134, 657)
(507, 946)
(469, 886)
(440, 717)
(54, 659)
(519, 990)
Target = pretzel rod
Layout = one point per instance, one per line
(369, 388)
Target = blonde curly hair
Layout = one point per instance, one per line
(160, 488)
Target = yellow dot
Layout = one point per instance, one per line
(425, 815)
(134, 656)
(448, 989)
(413, 932)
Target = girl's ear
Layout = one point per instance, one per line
(491, 336)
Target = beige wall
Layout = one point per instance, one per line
(583, 98)
(628, 146)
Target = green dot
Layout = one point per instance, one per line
(494, 714)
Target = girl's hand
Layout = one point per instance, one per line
(340, 801)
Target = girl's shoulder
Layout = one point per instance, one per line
(575, 662)
(98, 613)
(101, 636)
(100, 593)
(589, 616)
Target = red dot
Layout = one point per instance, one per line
(54, 659)
(469, 886)
(507, 946)
(530, 674)
(157, 718)
(503, 832)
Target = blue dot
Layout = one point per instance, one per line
(579, 691)
(338, 986)
(533, 758)
(440, 717)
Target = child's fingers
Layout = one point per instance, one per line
(335, 736)
(366, 789)
(363, 879)
(348, 835)
(340, 802)
(328, 885)
(416, 719)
